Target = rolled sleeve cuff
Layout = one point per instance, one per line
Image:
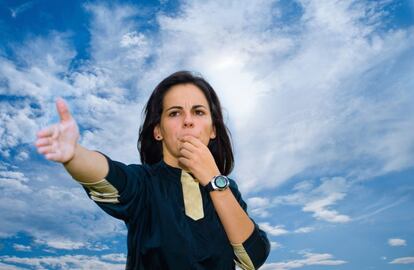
(108, 189)
(102, 191)
(252, 253)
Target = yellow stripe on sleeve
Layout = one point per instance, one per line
(244, 262)
(102, 191)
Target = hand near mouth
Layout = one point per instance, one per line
(197, 158)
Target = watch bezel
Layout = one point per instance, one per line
(216, 179)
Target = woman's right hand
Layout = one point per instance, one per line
(58, 142)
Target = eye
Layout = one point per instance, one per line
(174, 113)
(199, 112)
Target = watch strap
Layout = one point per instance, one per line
(209, 186)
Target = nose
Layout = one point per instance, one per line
(188, 120)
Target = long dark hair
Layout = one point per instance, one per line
(150, 149)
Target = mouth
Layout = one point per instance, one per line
(188, 134)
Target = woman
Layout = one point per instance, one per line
(181, 210)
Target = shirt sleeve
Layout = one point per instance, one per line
(121, 191)
(253, 252)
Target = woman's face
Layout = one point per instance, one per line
(185, 112)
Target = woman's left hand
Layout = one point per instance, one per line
(197, 158)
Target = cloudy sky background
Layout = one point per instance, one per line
(318, 96)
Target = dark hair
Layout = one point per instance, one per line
(151, 150)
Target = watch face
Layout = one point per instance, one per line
(220, 182)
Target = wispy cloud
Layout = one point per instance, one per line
(114, 257)
(106, 262)
(273, 230)
(277, 230)
(20, 9)
(304, 230)
(274, 245)
(324, 259)
(317, 200)
(58, 204)
(321, 198)
(396, 242)
(4, 266)
(18, 247)
(61, 244)
(67, 244)
(378, 208)
(403, 260)
(13, 181)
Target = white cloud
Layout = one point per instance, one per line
(12, 182)
(64, 244)
(323, 259)
(118, 50)
(273, 230)
(4, 266)
(274, 245)
(20, 9)
(114, 257)
(65, 262)
(22, 156)
(18, 126)
(317, 200)
(133, 39)
(327, 194)
(280, 230)
(65, 217)
(319, 210)
(403, 260)
(18, 247)
(257, 202)
(258, 206)
(396, 242)
(304, 230)
(58, 242)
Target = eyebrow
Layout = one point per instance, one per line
(180, 107)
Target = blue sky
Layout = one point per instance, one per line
(318, 96)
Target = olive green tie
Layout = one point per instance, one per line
(193, 202)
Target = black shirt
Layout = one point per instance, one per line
(149, 199)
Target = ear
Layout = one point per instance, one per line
(157, 133)
(213, 133)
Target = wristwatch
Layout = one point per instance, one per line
(219, 182)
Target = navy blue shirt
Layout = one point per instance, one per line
(149, 199)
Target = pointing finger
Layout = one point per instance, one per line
(62, 109)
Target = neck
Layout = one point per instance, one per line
(171, 162)
(170, 159)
